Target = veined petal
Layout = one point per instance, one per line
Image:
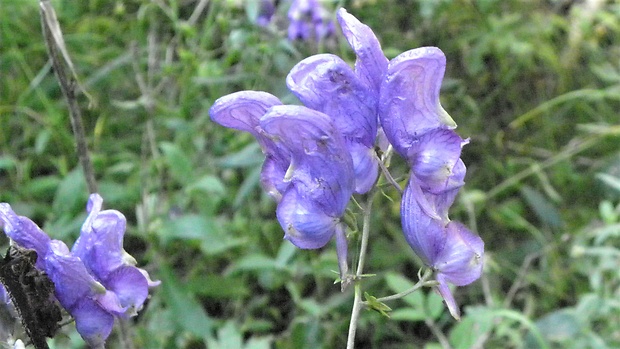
(104, 251)
(305, 225)
(433, 156)
(87, 237)
(242, 110)
(72, 282)
(371, 63)
(131, 288)
(409, 102)
(461, 259)
(272, 177)
(326, 83)
(425, 234)
(365, 165)
(92, 323)
(321, 167)
(24, 232)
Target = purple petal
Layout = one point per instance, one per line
(371, 64)
(304, 224)
(131, 288)
(326, 83)
(446, 294)
(365, 166)
(460, 260)
(272, 176)
(24, 232)
(426, 235)
(72, 282)
(92, 323)
(342, 253)
(104, 251)
(409, 100)
(321, 166)
(266, 10)
(242, 110)
(433, 156)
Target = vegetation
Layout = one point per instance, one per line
(535, 85)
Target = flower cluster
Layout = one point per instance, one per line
(96, 280)
(319, 154)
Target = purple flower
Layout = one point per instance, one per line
(96, 281)
(371, 63)
(266, 10)
(308, 19)
(242, 111)
(24, 232)
(420, 130)
(307, 169)
(320, 174)
(327, 84)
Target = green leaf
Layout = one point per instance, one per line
(408, 314)
(72, 194)
(179, 164)
(255, 262)
(199, 228)
(398, 283)
(207, 184)
(220, 286)
(544, 210)
(434, 305)
(376, 305)
(188, 314)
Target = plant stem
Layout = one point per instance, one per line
(357, 300)
(423, 282)
(68, 84)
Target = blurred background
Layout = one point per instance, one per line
(534, 84)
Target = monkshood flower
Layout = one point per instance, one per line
(327, 84)
(242, 111)
(320, 174)
(96, 281)
(307, 169)
(309, 19)
(266, 10)
(422, 132)
(407, 93)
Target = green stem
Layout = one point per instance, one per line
(422, 283)
(357, 300)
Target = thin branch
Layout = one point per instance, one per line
(68, 85)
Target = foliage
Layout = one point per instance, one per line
(535, 84)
